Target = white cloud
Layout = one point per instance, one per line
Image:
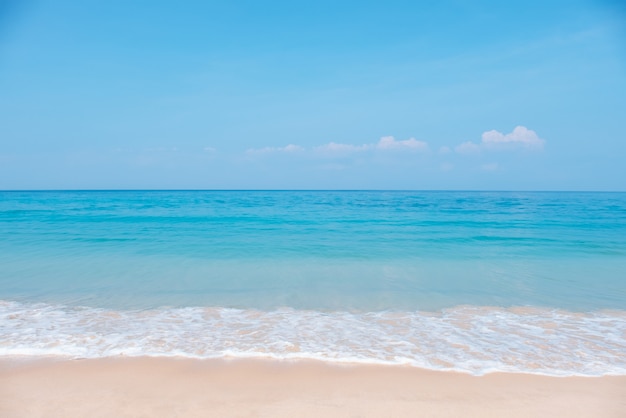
(334, 147)
(520, 137)
(389, 142)
(291, 148)
(386, 143)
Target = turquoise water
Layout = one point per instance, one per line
(433, 279)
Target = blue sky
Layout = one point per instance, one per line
(320, 95)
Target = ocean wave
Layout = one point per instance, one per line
(468, 339)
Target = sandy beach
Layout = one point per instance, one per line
(162, 387)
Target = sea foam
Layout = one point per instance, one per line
(469, 339)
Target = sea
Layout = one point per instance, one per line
(473, 282)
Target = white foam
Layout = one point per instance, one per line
(469, 339)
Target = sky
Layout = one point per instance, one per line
(417, 95)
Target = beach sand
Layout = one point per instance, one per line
(162, 387)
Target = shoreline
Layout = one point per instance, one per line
(164, 387)
(466, 338)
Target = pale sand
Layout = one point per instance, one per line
(149, 387)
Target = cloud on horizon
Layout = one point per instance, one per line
(390, 152)
(520, 138)
(386, 143)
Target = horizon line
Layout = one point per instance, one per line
(313, 190)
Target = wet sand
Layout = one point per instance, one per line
(162, 387)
